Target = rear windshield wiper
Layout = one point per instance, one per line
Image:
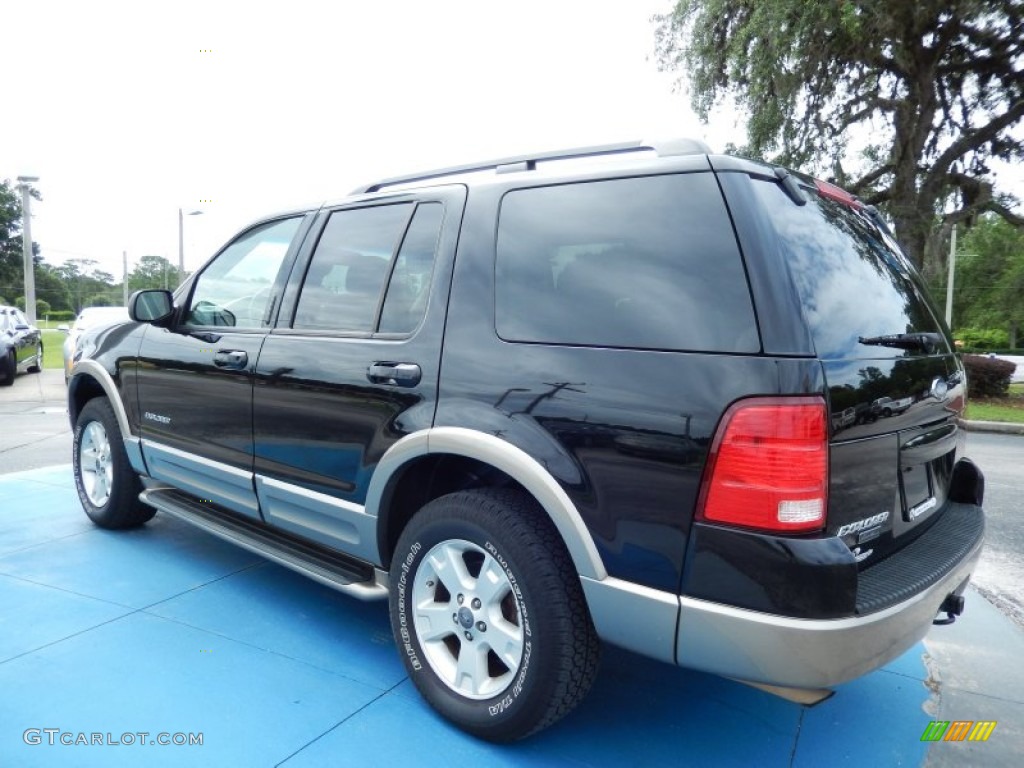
(926, 342)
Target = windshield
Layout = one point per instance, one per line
(852, 279)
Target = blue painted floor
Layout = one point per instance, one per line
(168, 631)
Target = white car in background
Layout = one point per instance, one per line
(88, 318)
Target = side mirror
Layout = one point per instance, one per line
(152, 306)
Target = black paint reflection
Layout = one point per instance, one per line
(869, 397)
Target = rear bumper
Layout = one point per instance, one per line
(898, 600)
(808, 653)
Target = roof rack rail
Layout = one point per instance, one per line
(664, 148)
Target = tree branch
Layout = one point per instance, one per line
(972, 140)
(870, 178)
(998, 208)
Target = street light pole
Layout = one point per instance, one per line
(26, 242)
(181, 243)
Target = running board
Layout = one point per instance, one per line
(331, 568)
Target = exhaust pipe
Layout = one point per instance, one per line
(952, 606)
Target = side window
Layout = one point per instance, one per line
(349, 268)
(234, 290)
(409, 287)
(648, 263)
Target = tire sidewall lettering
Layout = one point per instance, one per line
(509, 697)
(77, 466)
(402, 589)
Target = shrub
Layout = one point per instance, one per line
(988, 376)
(61, 316)
(983, 338)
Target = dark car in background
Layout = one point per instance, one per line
(21, 345)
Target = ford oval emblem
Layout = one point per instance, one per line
(939, 388)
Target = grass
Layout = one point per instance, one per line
(1009, 408)
(53, 349)
(52, 324)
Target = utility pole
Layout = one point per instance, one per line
(26, 241)
(181, 242)
(124, 282)
(949, 282)
(181, 250)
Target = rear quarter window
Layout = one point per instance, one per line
(649, 262)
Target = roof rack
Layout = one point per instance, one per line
(664, 148)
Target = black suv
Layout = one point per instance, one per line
(607, 394)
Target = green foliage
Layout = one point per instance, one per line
(11, 254)
(983, 338)
(988, 377)
(84, 283)
(42, 307)
(152, 272)
(989, 283)
(104, 299)
(934, 84)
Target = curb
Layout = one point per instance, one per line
(1000, 427)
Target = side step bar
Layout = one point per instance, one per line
(331, 568)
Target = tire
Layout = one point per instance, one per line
(522, 614)
(107, 486)
(9, 370)
(38, 365)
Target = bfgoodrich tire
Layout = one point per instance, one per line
(489, 615)
(107, 486)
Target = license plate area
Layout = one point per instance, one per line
(926, 466)
(918, 498)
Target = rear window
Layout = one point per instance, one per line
(853, 281)
(646, 262)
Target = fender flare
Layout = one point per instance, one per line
(96, 371)
(511, 460)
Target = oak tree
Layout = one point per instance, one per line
(903, 103)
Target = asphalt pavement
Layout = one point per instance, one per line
(1000, 573)
(34, 428)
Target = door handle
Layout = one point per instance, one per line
(395, 374)
(233, 359)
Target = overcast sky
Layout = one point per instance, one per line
(129, 110)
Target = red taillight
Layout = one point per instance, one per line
(768, 467)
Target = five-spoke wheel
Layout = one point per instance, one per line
(95, 463)
(467, 619)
